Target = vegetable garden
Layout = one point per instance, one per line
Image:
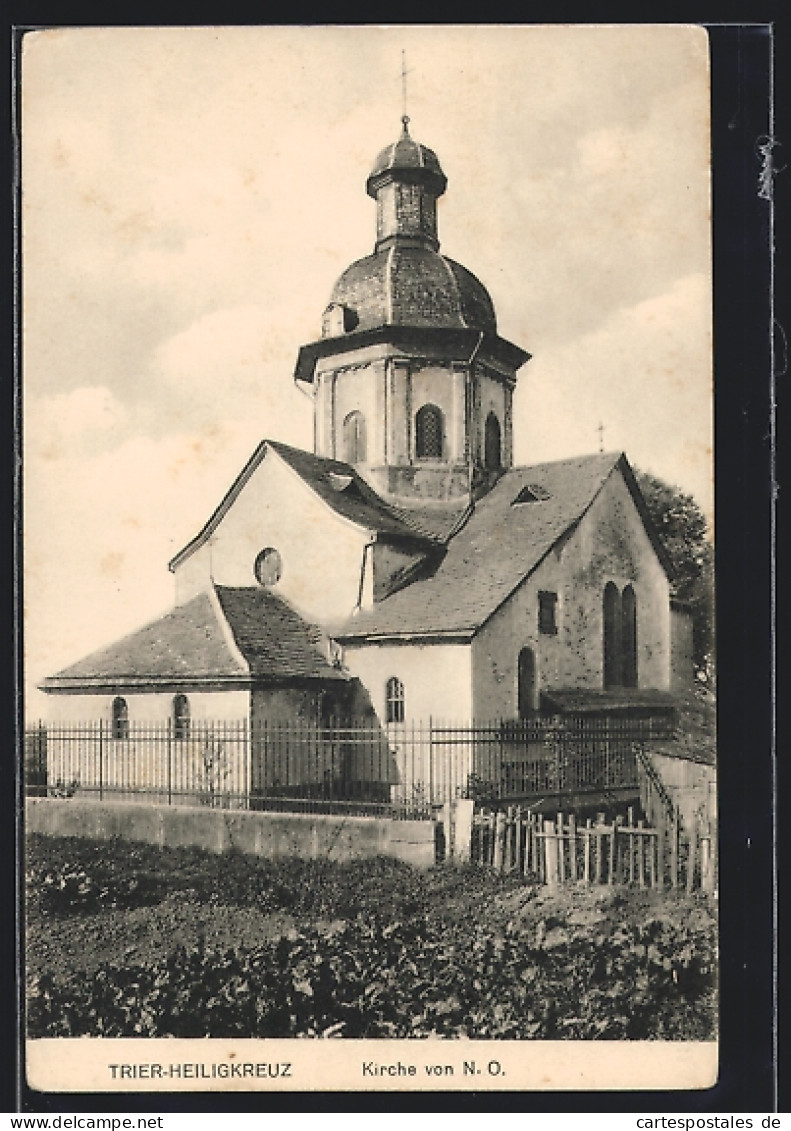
(134, 940)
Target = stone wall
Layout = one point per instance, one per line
(305, 835)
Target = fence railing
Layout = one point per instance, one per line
(358, 766)
(620, 850)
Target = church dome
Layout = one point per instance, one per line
(413, 286)
(407, 159)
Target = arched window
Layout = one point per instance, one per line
(612, 636)
(492, 453)
(354, 438)
(394, 700)
(620, 636)
(526, 683)
(181, 716)
(429, 432)
(629, 637)
(120, 718)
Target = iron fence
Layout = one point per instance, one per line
(406, 769)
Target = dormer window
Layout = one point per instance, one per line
(429, 432)
(531, 493)
(339, 482)
(337, 319)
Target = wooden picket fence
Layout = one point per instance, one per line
(622, 850)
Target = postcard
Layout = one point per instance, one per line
(368, 536)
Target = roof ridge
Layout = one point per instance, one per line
(605, 457)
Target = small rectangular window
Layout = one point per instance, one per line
(547, 613)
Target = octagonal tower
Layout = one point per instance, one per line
(411, 382)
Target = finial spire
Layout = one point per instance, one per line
(404, 73)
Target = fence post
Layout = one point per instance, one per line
(613, 830)
(518, 862)
(561, 850)
(499, 837)
(572, 848)
(169, 768)
(551, 854)
(430, 758)
(101, 760)
(692, 840)
(705, 860)
(461, 821)
(674, 876)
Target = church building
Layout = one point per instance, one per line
(405, 568)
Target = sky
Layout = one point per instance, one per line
(190, 195)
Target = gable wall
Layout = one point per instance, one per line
(437, 678)
(322, 553)
(610, 543)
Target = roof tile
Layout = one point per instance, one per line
(187, 642)
(497, 547)
(274, 639)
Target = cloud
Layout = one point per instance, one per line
(181, 238)
(234, 364)
(645, 374)
(101, 526)
(88, 418)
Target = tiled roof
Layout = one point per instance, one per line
(190, 645)
(437, 521)
(339, 485)
(187, 643)
(274, 639)
(413, 286)
(406, 153)
(616, 700)
(498, 546)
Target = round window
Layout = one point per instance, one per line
(268, 566)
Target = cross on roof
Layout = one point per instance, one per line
(404, 73)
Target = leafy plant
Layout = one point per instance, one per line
(448, 952)
(403, 979)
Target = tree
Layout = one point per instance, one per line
(683, 529)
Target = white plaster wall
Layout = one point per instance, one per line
(494, 397)
(435, 384)
(356, 390)
(609, 544)
(321, 552)
(437, 678)
(149, 706)
(146, 762)
(496, 647)
(193, 576)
